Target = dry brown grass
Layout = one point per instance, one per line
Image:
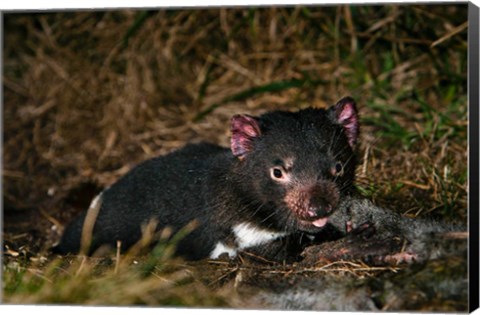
(88, 94)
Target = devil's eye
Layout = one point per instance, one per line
(338, 167)
(277, 173)
(281, 169)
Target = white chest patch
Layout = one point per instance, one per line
(248, 235)
(221, 248)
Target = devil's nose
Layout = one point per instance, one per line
(319, 211)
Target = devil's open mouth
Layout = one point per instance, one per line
(314, 224)
(320, 222)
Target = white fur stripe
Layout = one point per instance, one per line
(248, 235)
(221, 248)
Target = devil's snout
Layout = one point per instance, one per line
(313, 202)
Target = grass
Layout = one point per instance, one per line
(89, 94)
(89, 281)
(266, 88)
(141, 276)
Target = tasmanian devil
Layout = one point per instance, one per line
(281, 178)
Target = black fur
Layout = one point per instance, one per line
(220, 187)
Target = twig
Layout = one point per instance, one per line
(416, 185)
(453, 32)
(351, 30)
(383, 22)
(224, 276)
(82, 265)
(50, 218)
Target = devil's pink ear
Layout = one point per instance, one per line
(244, 130)
(346, 114)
